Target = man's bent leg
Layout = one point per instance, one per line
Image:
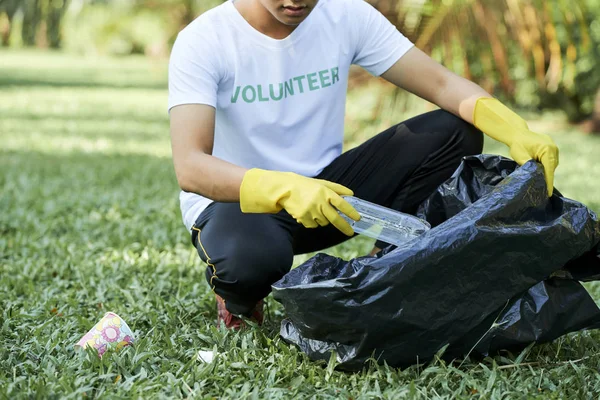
(245, 253)
(399, 168)
(447, 140)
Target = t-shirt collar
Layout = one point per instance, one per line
(241, 23)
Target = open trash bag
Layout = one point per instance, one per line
(500, 269)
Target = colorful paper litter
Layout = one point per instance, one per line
(110, 332)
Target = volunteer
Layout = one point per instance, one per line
(257, 92)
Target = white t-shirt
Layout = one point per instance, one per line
(279, 103)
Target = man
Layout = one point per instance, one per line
(257, 96)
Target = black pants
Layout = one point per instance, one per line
(398, 168)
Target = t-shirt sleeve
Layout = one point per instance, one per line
(378, 43)
(194, 72)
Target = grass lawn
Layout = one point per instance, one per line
(90, 223)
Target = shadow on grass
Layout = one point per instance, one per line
(117, 197)
(100, 116)
(82, 79)
(89, 171)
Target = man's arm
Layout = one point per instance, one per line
(417, 73)
(312, 202)
(194, 76)
(197, 171)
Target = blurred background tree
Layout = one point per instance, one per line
(40, 21)
(550, 48)
(8, 9)
(535, 54)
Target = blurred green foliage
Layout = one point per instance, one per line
(576, 88)
(116, 29)
(531, 53)
(113, 27)
(41, 21)
(578, 97)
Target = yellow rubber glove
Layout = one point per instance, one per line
(312, 202)
(498, 122)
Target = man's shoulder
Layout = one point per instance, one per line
(208, 22)
(340, 10)
(342, 4)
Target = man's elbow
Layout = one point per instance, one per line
(184, 178)
(185, 185)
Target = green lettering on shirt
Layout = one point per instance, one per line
(235, 94)
(245, 94)
(291, 87)
(299, 80)
(334, 75)
(273, 97)
(312, 81)
(324, 77)
(260, 94)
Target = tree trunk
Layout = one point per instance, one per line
(188, 15)
(10, 8)
(56, 11)
(592, 125)
(595, 120)
(5, 33)
(31, 21)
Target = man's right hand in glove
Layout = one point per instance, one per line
(312, 202)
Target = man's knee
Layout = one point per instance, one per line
(471, 138)
(244, 276)
(253, 263)
(444, 130)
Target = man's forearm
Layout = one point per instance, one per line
(210, 177)
(192, 137)
(417, 73)
(459, 96)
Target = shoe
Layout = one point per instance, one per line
(232, 321)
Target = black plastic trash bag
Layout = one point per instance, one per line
(498, 270)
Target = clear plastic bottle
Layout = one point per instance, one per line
(384, 224)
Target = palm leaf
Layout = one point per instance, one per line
(495, 34)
